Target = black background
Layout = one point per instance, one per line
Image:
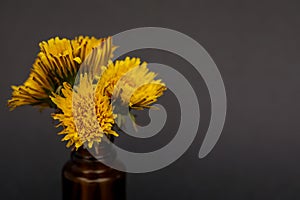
(255, 45)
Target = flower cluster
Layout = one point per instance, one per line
(78, 78)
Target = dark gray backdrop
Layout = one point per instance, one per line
(255, 45)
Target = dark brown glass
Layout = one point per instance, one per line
(86, 178)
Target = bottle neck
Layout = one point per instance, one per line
(98, 153)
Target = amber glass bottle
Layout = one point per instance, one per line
(86, 178)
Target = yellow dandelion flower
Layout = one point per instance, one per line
(132, 82)
(84, 116)
(57, 62)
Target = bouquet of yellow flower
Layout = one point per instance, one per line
(80, 81)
